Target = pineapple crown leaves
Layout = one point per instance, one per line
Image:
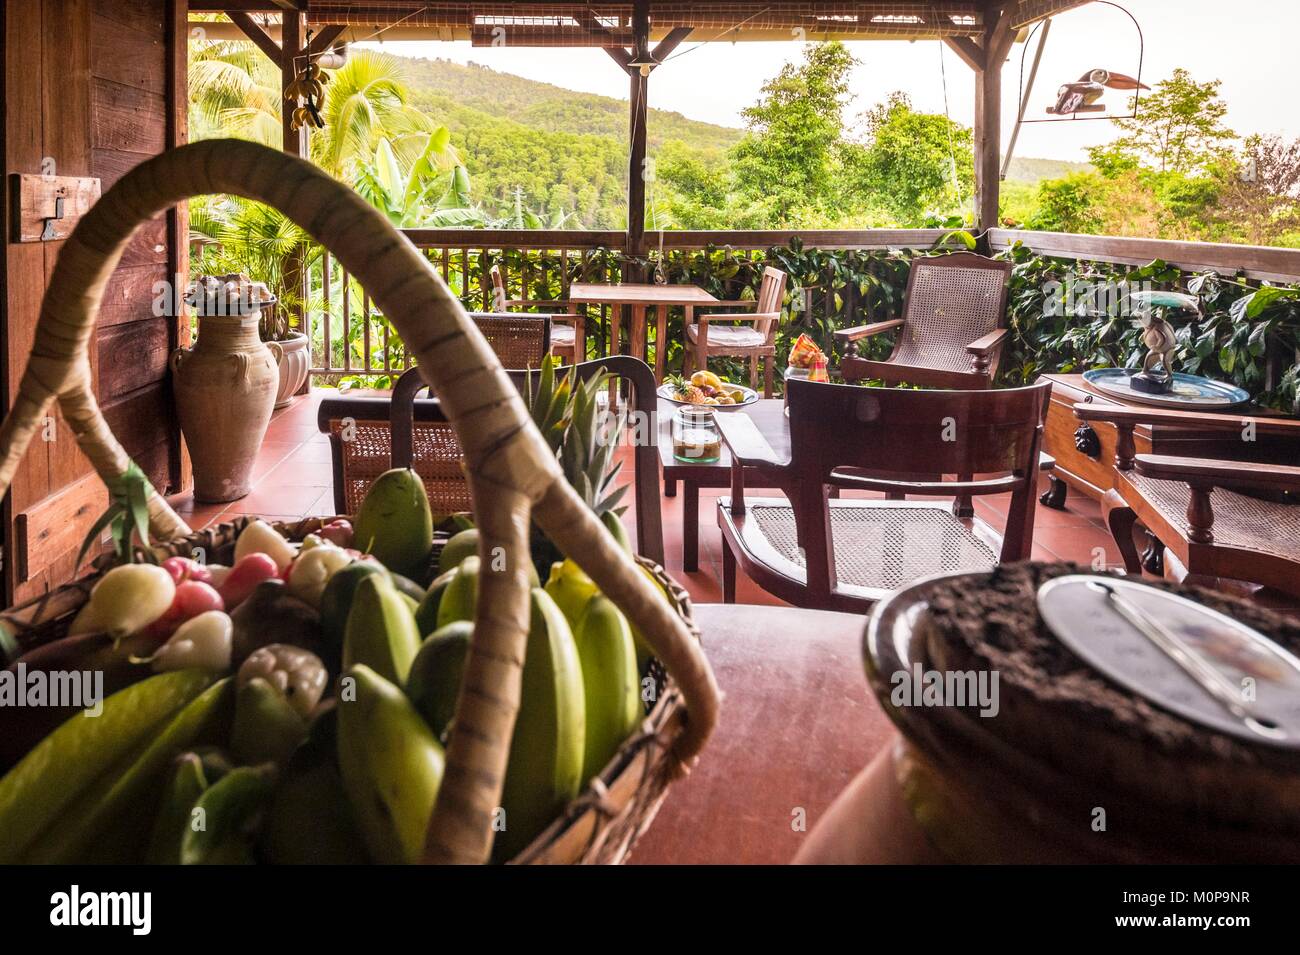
(569, 418)
(126, 517)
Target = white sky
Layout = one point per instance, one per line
(1248, 49)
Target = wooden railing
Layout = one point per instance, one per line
(351, 339)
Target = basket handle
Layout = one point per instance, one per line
(513, 475)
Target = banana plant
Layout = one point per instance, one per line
(432, 191)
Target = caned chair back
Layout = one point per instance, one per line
(771, 293)
(520, 339)
(952, 300)
(916, 432)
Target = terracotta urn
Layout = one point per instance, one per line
(225, 388)
(293, 355)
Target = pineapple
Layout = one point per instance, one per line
(570, 420)
(685, 390)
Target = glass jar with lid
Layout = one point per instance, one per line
(696, 438)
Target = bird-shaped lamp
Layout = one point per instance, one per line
(1082, 95)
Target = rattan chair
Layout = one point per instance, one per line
(1220, 520)
(845, 554)
(568, 328)
(369, 435)
(735, 335)
(952, 330)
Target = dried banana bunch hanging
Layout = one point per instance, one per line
(307, 92)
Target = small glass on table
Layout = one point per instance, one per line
(696, 438)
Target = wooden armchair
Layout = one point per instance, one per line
(706, 337)
(568, 328)
(845, 554)
(952, 330)
(1219, 519)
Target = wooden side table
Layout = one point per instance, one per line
(1085, 453)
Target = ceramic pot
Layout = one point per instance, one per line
(294, 358)
(225, 387)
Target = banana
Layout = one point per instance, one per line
(434, 681)
(63, 764)
(609, 679)
(544, 772)
(616, 528)
(174, 814)
(391, 765)
(461, 596)
(381, 631)
(571, 589)
(426, 615)
(643, 652)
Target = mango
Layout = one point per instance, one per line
(462, 545)
(394, 523)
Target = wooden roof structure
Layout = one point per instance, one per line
(639, 35)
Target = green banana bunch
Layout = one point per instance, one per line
(571, 589)
(544, 772)
(267, 728)
(391, 765)
(609, 679)
(104, 823)
(65, 763)
(381, 631)
(175, 811)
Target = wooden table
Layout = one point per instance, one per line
(768, 414)
(797, 724)
(639, 297)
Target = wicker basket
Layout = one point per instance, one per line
(514, 481)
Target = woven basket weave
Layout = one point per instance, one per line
(514, 478)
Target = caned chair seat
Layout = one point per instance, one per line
(729, 336)
(1240, 521)
(880, 546)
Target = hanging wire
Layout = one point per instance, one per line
(379, 32)
(952, 148)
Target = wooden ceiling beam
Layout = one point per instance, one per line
(669, 43)
(255, 33)
(324, 39)
(966, 48)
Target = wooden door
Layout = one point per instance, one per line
(91, 90)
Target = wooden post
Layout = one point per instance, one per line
(998, 37)
(180, 471)
(292, 45)
(638, 120)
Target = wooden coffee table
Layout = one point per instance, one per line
(639, 297)
(768, 415)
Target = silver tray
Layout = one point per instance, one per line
(1189, 391)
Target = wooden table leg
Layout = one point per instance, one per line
(690, 526)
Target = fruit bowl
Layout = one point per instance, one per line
(668, 394)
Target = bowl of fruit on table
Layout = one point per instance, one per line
(706, 389)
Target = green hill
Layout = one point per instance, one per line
(567, 150)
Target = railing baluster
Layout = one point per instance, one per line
(326, 278)
(347, 322)
(365, 331)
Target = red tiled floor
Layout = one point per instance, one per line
(293, 479)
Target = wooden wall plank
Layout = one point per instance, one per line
(128, 55)
(129, 296)
(126, 118)
(132, 356)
